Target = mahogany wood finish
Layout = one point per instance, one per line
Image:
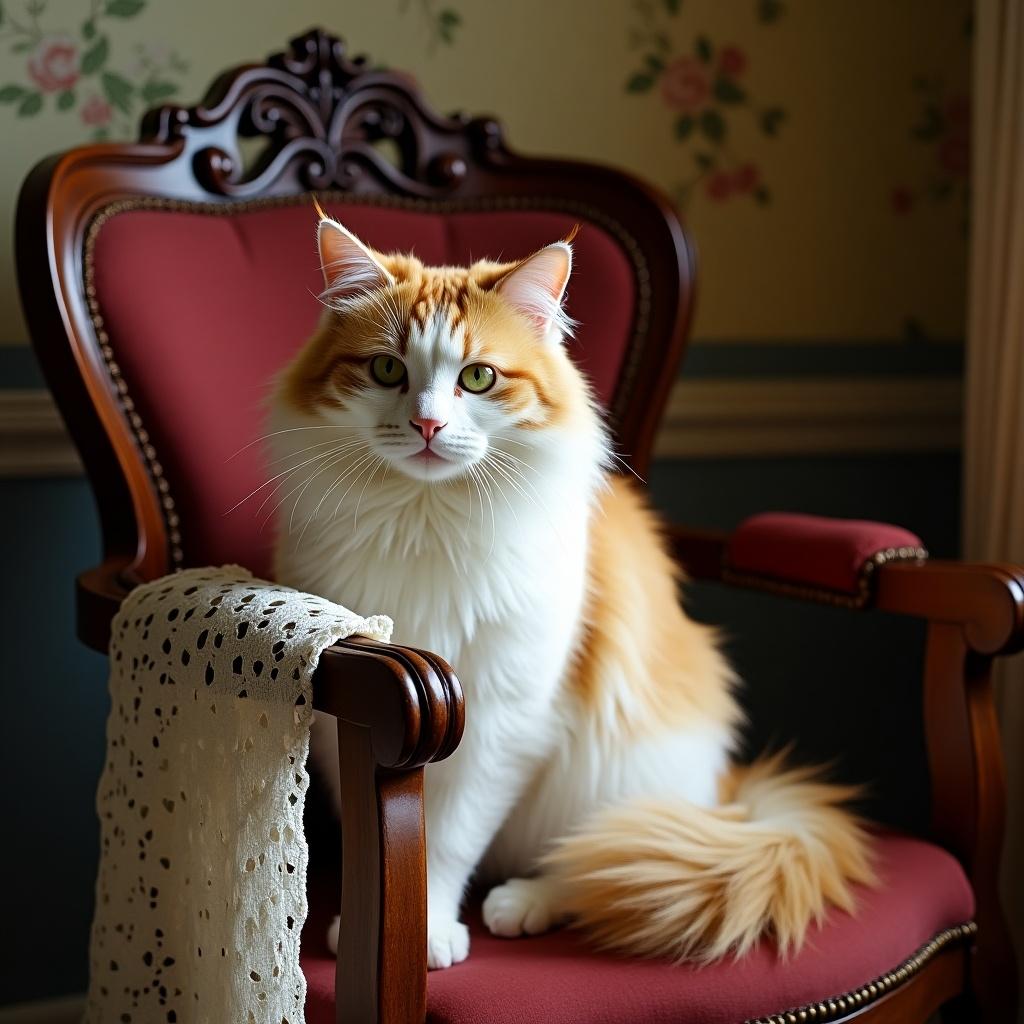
(975, 612)
(320, 114)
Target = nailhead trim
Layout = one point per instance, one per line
(822, 595)
(172, 521)
(838, 1006)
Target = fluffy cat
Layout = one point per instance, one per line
(449, 467)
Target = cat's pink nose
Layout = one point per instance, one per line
(428, 428)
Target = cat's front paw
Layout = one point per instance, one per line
(522, 906)
(447, 944)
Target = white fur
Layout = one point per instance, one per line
(491, 576)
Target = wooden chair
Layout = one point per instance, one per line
(166, 280)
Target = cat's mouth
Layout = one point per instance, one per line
(427, 456)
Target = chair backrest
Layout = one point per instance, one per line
(182, 275)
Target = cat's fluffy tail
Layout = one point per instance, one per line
(669, 879)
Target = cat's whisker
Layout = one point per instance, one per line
(292, 430)
(619, 458)
(328, 462)
(301, 451)
(360, 465)
(369, 480)
(295, 505)
(362, 457)
(323, 456)
(276, 476)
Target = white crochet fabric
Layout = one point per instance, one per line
(201, 894)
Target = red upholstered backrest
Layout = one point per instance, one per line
(204, 305)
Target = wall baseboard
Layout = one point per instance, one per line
(706, 418)
(67, 1010)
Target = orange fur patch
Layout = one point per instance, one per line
(662, 879)
(642, 664)
(535, 380)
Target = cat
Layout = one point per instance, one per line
(449, 467)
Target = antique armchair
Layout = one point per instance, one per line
(166, 280)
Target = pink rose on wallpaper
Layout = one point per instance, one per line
(685, 85)
(96, 111)
(902, 199)
(732, 61)
(719, 186)
(958, 115)
(53, 65)
(746, 178)
(955, 156)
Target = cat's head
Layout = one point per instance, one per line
(433, 368)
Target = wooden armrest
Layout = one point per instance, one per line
(397, 709)
(974, 612)
(986, 601)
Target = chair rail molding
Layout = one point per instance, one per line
(33, 441)
(706, 418)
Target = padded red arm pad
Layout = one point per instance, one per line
(812, 551)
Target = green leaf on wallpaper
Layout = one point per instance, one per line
(124, 8)
(712, 125)
(96, 56)
(30, 105)
(673, 6)
(762, 196)
(771, 119)
(66, 100)
(655, 63)
(684, 126)
(705, 161)
(940, 190)
(703, 48)
(118, 90)
(1, 14)
(931, 126)
(88, 28)
(447, 22)
(640, 82)
(22, 47)
(10, 93)
(769, 10)
(663, 41)
(728, 91)
(153, 91)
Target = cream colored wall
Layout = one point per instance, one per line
(829, 257)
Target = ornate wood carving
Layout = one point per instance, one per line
(321, 114)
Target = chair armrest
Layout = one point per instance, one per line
(974, 612)
(987, 601)
(397, 709)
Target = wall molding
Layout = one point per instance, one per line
(722, 418)
(705, 418)
(33, 441)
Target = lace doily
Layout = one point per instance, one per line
(201, 893)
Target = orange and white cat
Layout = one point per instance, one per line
(450, 469)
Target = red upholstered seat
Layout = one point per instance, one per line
(555, 978)
(204, 306)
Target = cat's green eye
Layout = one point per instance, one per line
(477, 378)
(387, 370)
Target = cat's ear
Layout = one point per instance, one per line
(536, 288)
(349, 267)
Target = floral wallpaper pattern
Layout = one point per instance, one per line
(77, 71)
(704, 87)
(943, 126)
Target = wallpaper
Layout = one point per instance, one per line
(818, 149)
